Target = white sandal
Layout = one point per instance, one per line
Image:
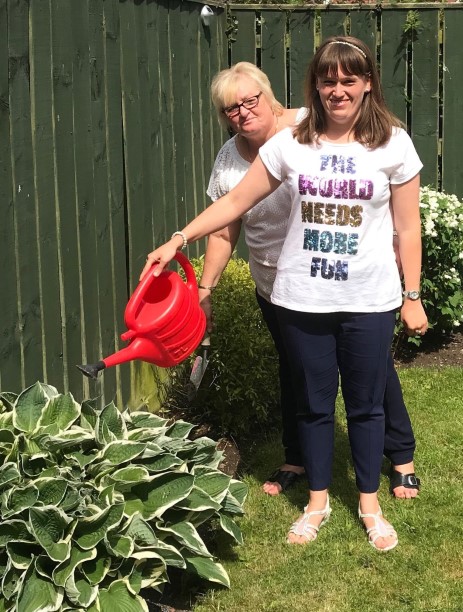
(303, 526)
(379, 530)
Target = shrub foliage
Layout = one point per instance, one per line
(97, 504)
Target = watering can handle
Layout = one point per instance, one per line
(189, 272)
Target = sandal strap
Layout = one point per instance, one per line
(380, 529)
(409, 481)
(303, 526)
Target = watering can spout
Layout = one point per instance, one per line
(91, 369)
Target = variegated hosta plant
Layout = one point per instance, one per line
(97, 504)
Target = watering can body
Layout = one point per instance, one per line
(164, 320)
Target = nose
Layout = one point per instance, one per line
(338, 90)
(244, 111)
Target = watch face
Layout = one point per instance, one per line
(412, 295)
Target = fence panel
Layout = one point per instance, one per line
(301, 49)
(243, 36)
(273, 51)
(452, 168)
(394, 66)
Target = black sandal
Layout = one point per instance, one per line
(409, 481)
(284, 478)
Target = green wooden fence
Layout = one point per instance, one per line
(107, 138)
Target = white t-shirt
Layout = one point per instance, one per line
(265, 224)
(338, 255)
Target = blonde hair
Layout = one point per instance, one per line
(373, 127)
(225, 85)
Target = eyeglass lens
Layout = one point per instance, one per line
(232, 111)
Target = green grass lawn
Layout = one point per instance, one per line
(340, 572)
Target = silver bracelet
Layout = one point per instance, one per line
(184, 238)
(394, 233)
(209, 288)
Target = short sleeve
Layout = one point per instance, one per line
(407, 162)
(271, 154)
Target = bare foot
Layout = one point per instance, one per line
(275, 488)
(381, 534)
(316, 513)
(404, 492)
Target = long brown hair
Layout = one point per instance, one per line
(374, 125)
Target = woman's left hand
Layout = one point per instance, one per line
(414, 318)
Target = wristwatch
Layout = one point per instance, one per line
(411, 295)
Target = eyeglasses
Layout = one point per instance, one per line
(232, 111)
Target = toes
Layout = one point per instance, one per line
(271, 488)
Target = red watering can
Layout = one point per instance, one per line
(164, 320)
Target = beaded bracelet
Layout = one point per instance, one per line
(184, 238)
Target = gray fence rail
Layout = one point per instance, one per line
(107, 138)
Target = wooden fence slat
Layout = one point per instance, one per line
(244, 45)
(273, 53)
(394, 61)
(10, 356)
(425, 96)
(41, 87)
(25, 222)
(452, 168)
(64, 55)
(363, 26)
(301, 51)
(333, 23)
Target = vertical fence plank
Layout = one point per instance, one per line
(302, 48)
(41, 87)
(452, 168)
(425, 97)
(25, 226)
(334, 22)
(244, 45)
(394, 61)
(363, 26)
(273, 54)
(10, 357)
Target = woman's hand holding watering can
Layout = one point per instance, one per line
(163, 255)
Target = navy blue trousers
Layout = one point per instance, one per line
(320, 347)
(399, 441)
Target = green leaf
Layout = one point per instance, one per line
(140, 531)
(179, 429)
(239, 490)
(14, 530)
(67, 440)
(9, 473)
(21, 553)
(96, 569)
(126, 476)
(170, 554)
(198, 500)
(19, 499)
(207, 568)
(49, 525)
(119, 452)
(11, 581)
(187, 535)
(151, 499)
(229, 525)
(80, 592)
(91, 530)
(212, 482)
(118, 597)
(119, 545)
(231, 505)
(38, 594)
(51, 490)
(29, 406)
(148, 571)
(162, 462)
(110, 425)
(61, 411)
(67, 568)
(147, 420)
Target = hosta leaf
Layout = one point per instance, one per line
(21, 553)
(51, 490)
(6, 421)
(170, 554)
(6, 436)
(89, 414)
(110, 420)
(147, 419)
(61, 411)
(80, 592)
(14, 530)
(179, 429)
(96, 569)
(68, 439)
(187, 535)
(140, 531)
(120, 452)
(140, 435)
(71, 500)
(44, 566)
(153, 498)
(109, 496)
(49, 525)
(7, 400)
(38, 594)
(231, 505)
(128, 475)
(198, 500)
(19, 499)
(206, 450)
(80, 458)
(32, 467)
(118, 597)
(196, 517)
(207, 568)
(9, 473)
(66, 569)
(119, 545)
(11, 581)
(149, 570)
(30, 404)
(229, 525)
(162, 462)
(239, 490)
(89, 531)
(213, 482)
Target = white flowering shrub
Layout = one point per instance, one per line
(442, 275)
